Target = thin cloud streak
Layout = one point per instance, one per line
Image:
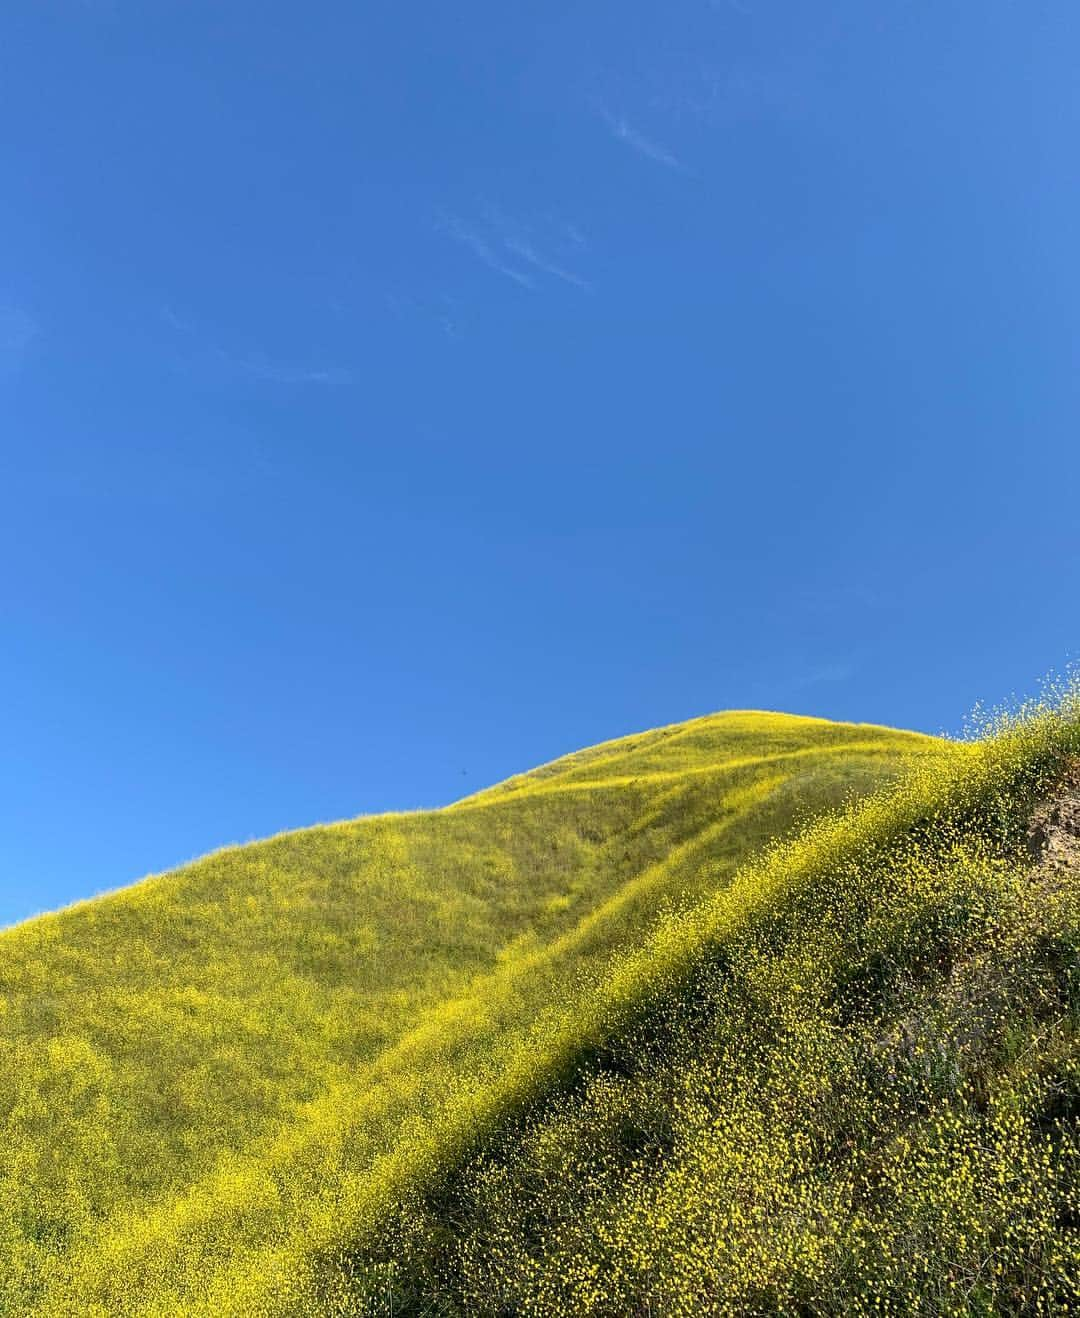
(176, 322)
(528, 253)
(483, 251)
(624, 131)
(283, 372)
(254, 365)
(505, 245)
(841, 671)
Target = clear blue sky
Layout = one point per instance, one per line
(396, 396)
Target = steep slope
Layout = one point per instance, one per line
(846, 1083)
(215, 1081)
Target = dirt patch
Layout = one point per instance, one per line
(1054, 831)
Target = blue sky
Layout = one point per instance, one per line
(394, 397)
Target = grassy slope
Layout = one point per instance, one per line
(213, 1082)
(846, 1083)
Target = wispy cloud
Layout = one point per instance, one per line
(481, 248)
(261, 368)
(176, 321)
(524, 249)
(18, 329)
(510, 247)
(527, 252)
(573, 233)
(625, 131)
(823, 674)
(256, 365)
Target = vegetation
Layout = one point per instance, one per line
(750, 1015)
(846, 1083)
(219, 1086)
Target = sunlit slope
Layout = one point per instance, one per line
(701, 746)
(846, 1083)
(209, 1070)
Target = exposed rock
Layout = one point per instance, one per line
(1054, 832)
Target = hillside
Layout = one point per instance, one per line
(218, 1082)
(848, 1082)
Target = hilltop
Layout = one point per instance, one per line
(219, 1079)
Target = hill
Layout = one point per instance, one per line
(218, 1084)
(848, 1082)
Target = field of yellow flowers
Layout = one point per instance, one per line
(848, 1082)
(217, 1084)
(753, 1014)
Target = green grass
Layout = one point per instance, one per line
(218, 1086)
(751, 1015)
(848, 1082)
